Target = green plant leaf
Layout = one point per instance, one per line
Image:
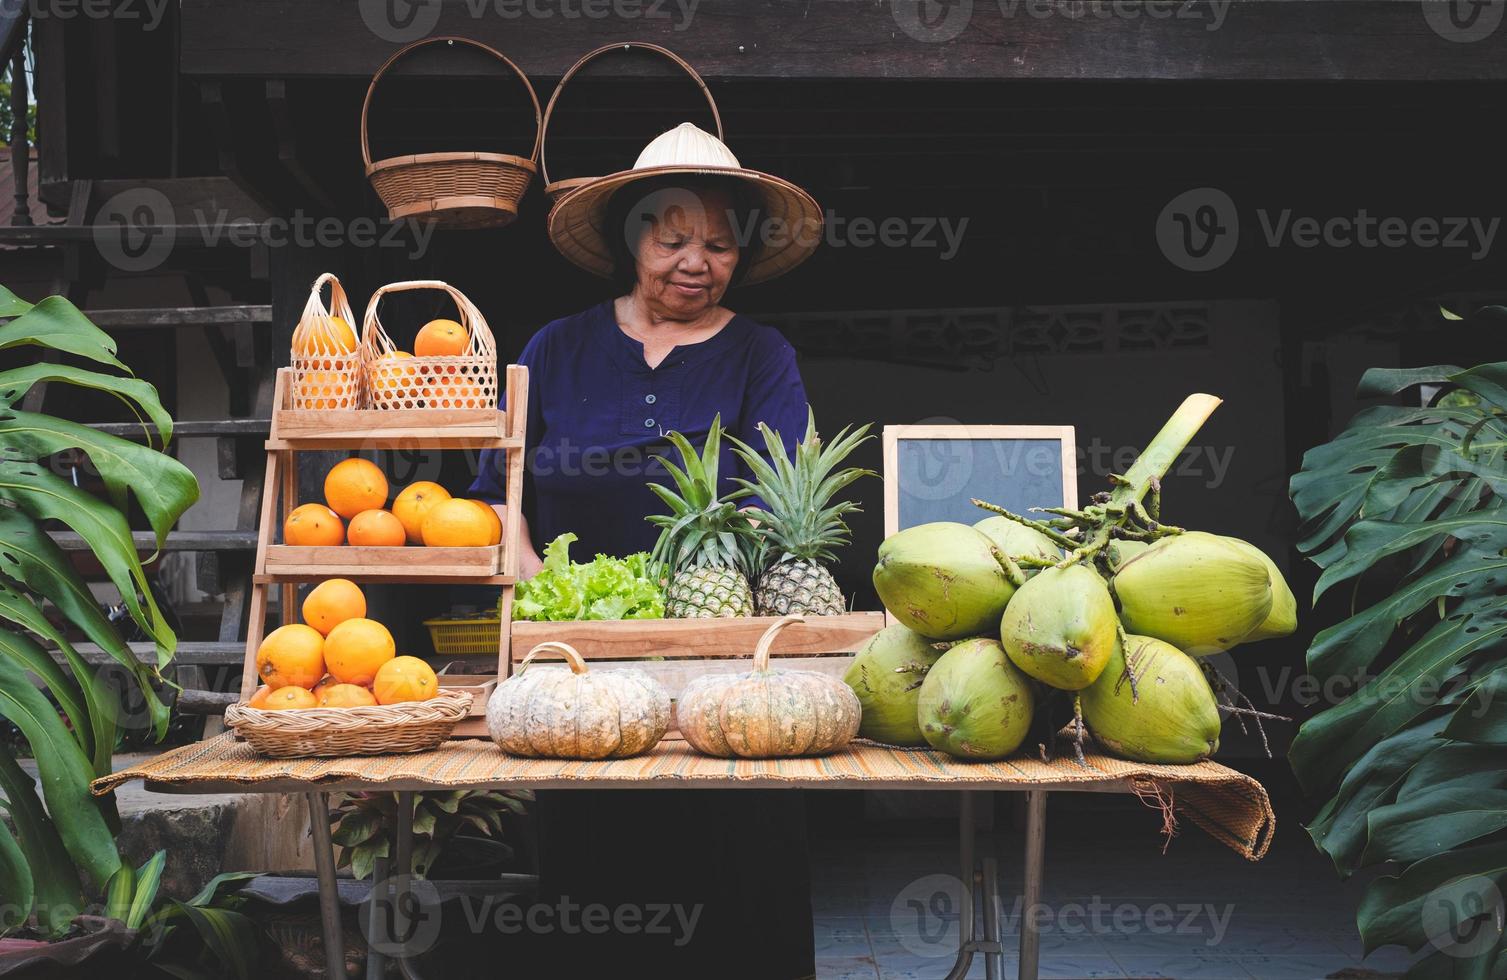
(211, 890)
(230, 936)
(15, 883)
(47, 496)
(64, 772)
(1340, 828)
(118, 891)
(11, 304)
(164, 487)
(1391, 911)
(30, 656)
(1482, 717)
(1381, 382)
(148, 880)
(137, 395)
(1369, 542)
(55, 882)
(32, 558)
(58, 324)
(100, 701)
(356, 828)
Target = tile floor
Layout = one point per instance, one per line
(885, 902)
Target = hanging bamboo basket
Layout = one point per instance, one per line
(455, 189)
(326, 358)
(558, 188)
(464, 380)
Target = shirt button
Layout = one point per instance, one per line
(650, 399)
(648, 423)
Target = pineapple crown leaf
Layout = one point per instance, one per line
(701, 528)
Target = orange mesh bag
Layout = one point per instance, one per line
(398, 379)
(326, 357)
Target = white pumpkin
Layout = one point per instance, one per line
(570, 713)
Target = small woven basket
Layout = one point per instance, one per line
(557, 189)
(466, 380)
(456, 189)
(326, 363)
(381, 729)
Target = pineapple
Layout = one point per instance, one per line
(801, 526)
(706, 545)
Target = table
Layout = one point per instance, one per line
(1229, 805)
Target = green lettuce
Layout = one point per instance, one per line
(605, 588)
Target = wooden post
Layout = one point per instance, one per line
(20, 146)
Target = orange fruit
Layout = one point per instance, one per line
(291, 655)
(457, 391)
(405, 679)
(324, 685)
(313, 525)
(346, 696)
(376, 529)
(441, 338)
(353, 485)
(355, 649)
(413, 504)
(334, 336)
(332, 602)
(259, 697)
(286, 698)
(327, 389)
(493, 520)
(389, 373)
(456, 523)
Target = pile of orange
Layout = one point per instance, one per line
(337, 658)
(355, 490)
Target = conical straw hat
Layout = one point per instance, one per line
(789, 229)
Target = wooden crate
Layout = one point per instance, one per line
(474, 565)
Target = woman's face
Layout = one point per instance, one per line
(686, 252)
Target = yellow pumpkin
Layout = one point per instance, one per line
(549, 713)
(769, 713)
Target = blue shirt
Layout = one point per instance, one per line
(597, 413)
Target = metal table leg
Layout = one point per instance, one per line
(965, 912)
(1036, 835)
(329, 896)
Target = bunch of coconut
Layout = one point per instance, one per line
(1104, 607)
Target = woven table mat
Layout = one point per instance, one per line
(1229, 805)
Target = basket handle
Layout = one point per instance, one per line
(314, 309)
(620, 46)
(376, 343)
(366, 104)
(572, 656)
(761, 650)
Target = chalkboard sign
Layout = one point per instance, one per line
(932, 472)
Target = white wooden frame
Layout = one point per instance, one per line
(894, 434)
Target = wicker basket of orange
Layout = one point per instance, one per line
(335, 685)
(453, 364)
(326, 362)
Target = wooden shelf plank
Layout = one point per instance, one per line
(697, 638)
(345, 561)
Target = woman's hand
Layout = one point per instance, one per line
(529, 561)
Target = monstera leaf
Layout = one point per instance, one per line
(1408, 509)
(71, 721)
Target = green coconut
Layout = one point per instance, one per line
(886, 675)
(1060, 628)
(1152, 704)
(974, 704)
(946, 581)
(1195, 590)
(1283, 618)
(1018, 541)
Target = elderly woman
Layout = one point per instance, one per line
(675, 232)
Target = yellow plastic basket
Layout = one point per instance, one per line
(458, 637)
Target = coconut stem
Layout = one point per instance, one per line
(1164, 448)
(1057, 536)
